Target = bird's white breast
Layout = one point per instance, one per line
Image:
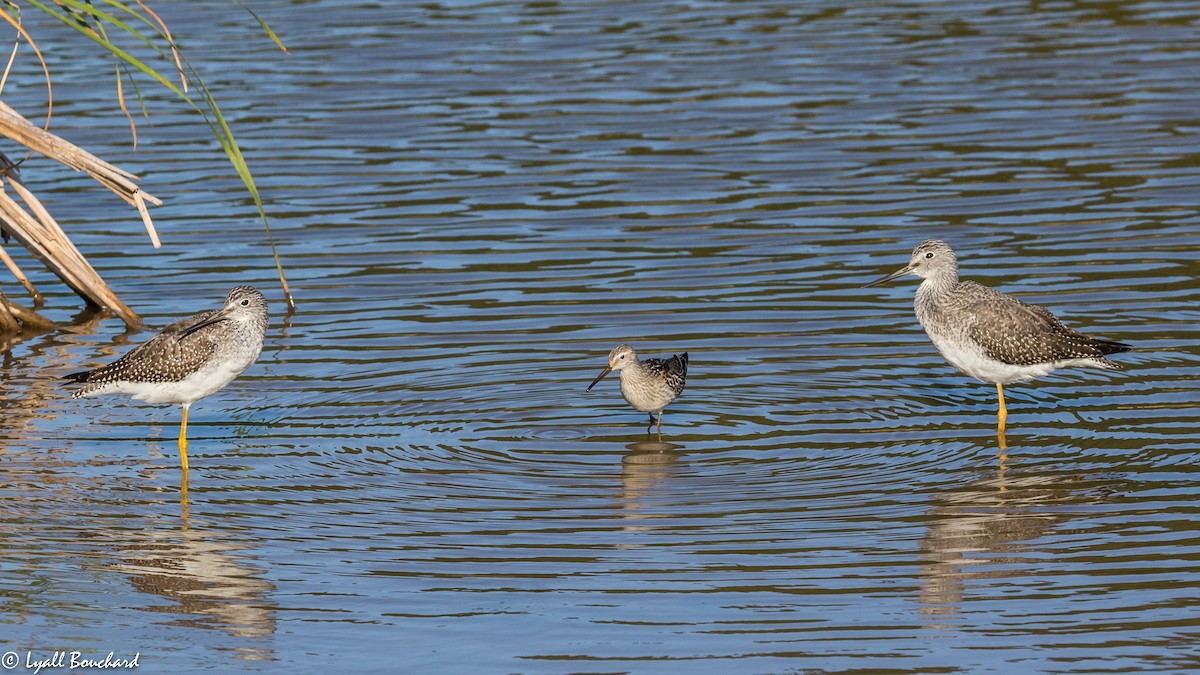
(212, 377)
(643, 391)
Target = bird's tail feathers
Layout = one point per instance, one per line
(1110, 347)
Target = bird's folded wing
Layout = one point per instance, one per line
(162, 358)
(1019, 334)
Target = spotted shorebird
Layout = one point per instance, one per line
(188, 360)
(647, 385)
(991, 336)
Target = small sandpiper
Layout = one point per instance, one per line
(991, 336)
(188, 360)
(647, 385)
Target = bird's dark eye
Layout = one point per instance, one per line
(622, 357)
(929, 255)
(246, 303)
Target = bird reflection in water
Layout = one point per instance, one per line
(979, 532)
(205, 578)
(644, 469)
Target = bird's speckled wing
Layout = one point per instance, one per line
(672, 370)
(1019, 334)
(163, 358)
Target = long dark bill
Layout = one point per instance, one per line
(215, 318)
(599, 377)
(891, 277)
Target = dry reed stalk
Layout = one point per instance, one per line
(21, 130)
(121, 182)
(30, 318)
(35, 229)
(8, 322)
(46, 241)
(24, 280)
(99, 292)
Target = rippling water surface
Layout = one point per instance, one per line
(475, 202)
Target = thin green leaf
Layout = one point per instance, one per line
(266, 29)
(120, 53)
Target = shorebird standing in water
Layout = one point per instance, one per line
(647, 385)
(188, 360)
(991, 336)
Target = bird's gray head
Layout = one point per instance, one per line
(244, 305)
(930, 258)
(622, 355)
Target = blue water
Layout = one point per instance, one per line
(475, 202)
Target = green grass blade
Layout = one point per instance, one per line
(266, 29)
(216, 123)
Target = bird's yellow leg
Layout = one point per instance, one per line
(183, 441)
(1001, 416)
(1002, 413)
(660, 424)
